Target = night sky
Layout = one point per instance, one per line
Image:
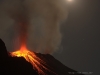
(81, 37)
(80, 45)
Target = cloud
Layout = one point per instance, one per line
(37, 20)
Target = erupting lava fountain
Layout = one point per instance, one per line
(38, 64)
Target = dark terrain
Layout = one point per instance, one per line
(19, 66)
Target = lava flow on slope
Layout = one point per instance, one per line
(38, 64)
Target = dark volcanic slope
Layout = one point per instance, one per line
(19, 66)
(13, 65)
(16, 66)
(56, 66)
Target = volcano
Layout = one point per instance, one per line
(41, 64)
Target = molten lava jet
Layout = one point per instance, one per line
(38, 64)
(30, 57)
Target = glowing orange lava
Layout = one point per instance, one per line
(31, 57)
(38, 64)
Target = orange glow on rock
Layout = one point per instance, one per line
(38, 64)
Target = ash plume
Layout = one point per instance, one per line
(37, 22)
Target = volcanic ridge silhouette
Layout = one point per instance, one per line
(19, 66)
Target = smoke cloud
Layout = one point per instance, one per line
(35, 21)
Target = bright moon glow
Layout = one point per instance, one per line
(69, 0)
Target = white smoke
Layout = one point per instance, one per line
(43, 17)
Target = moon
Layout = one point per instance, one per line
(70, 0)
